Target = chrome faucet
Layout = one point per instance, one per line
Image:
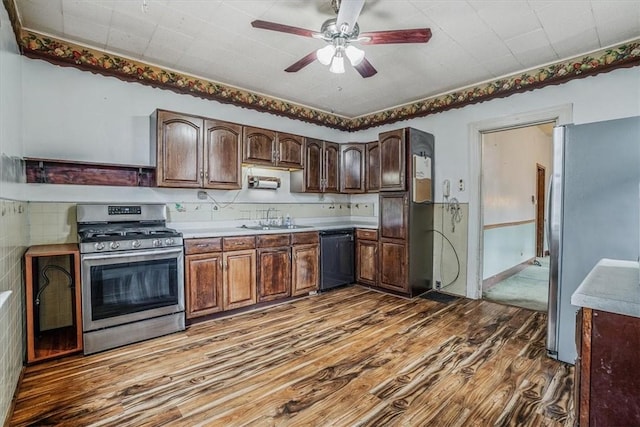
(269, 211)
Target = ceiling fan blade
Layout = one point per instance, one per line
(266, 25)
(297, 66)
(348, 14)
(365, 68)
(416, 35)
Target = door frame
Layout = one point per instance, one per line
(541, 173)
(560, 114)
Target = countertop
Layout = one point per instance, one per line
(612, 286)
(190, 231)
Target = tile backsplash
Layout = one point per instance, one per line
(13, 242)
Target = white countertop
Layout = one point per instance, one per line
(612, 286)
(222, 230)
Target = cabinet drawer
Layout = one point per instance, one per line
(304, 238)
(202, 246)
(363, 234)
(238, 243)
(272, 240)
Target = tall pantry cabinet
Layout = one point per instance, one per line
(406, 211)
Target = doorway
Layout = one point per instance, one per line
(515, 162)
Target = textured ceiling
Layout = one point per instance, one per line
(473, 41)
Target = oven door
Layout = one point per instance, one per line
(119, 288)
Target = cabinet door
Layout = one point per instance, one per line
(179, 150)
(290, 151)
(367, 262)
(393, 215)
(313, 165)
(372, 171)
(352, 165)
(305, 269)
(393, 266)
(204, 284)
(331, 163)
(223, 148)
(392, 161)
(259, 146)
(274, 273)
(239, 283)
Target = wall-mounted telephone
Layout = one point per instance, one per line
(446, 188)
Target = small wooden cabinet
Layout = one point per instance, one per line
(392, 146)
(194, 152)
(239, 278)
(53, 301)
(305, 252)
(269, 148)
(367, 257)
(322, 169)
(274, 266)
(352, 168)
(203, 276)
(372, 170)
(607, 379)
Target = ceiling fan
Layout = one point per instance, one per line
(339, 34)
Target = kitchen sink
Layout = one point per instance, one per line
(274, 227)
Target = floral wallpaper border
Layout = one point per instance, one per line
(68, 54)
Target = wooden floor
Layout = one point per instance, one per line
(347, 357)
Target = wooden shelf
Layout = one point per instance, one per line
(63, 338)
(50, 171)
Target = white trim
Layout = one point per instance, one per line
(561, 114)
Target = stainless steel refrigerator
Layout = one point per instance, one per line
(593, 214)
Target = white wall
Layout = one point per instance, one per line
(509, 175)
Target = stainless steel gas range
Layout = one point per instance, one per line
(132, 274)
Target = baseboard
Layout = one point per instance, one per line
(490, 281)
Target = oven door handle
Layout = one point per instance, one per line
(130, 254)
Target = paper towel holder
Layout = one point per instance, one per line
(263, 182)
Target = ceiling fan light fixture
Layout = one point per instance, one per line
(337, 65)
(354, 54)
(325, 54)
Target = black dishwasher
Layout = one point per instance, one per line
(336, 258)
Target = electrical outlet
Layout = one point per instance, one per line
(438, 285)
(202, 195)
(461, 185)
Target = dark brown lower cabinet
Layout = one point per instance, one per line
(203, 276)
(305, 270)
(367, 257)
(607, 369)
(274, 273)
(393, 266)
(239, 278)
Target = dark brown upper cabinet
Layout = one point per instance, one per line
(268, 148)
(322, 168)
(177, 144)
(223, 151)
(194, 152)
(392, 161)
(372, 169)
(352, 170)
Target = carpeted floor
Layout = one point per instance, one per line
(529, 288)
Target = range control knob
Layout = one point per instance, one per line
(114, 245)
(99, 246)
(169, 242)
(157, 243)
(135, 244)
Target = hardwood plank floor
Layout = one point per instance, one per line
(350, 357)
